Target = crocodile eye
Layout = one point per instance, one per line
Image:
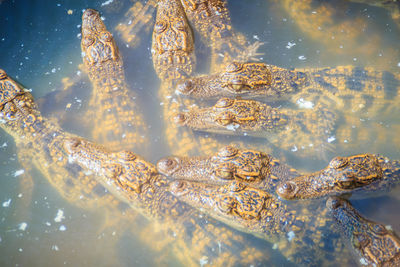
(160, 27)
(348, 183)
(112, 170)
(338, 162)
(125, 156)
(224, 103)
(3, 74)
(360, 240)
(88, 41)
(224, 119)
(224, 174)
(237, 86)
(179, 25)
(228, 151)
(234, 67)
(106, 36)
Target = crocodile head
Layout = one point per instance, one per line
(172, 43)
(124, 169)
(9, 89)
(229, 163)
(253, 79)
(342, 175)
(376, 245)
(98, 45)
(234, 116)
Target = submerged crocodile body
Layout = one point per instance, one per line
(365, 172)
(375, 244)
(113, 108)
(139, 184)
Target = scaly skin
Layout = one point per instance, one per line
(250, 167)
(137, 182)
(365, 172)
(374, 243)
(116, 117)
(282, 127)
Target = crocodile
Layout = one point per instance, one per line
(269, 82)
(340, 33)
(137, 182)
(375, 244)
(365, 172)
(113, 107)
(285, 128)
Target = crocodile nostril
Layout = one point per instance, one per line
(167, 166)
(180, 118)
(287, 190)
(332, 203)
(70, 144)
(184, 87)
(89, 12)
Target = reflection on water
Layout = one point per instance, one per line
(41, 46)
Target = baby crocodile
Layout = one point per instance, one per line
(286, 128)
(137, 182)
(365, 172)
(118, 122)
(374, 243)
(272, 82)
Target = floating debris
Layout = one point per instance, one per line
(22, 226)
(19, 172)
(60, 216)
(6, 203)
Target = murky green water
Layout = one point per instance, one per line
(40, 44)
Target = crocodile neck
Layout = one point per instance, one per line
(108, 79)
(22, 120)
